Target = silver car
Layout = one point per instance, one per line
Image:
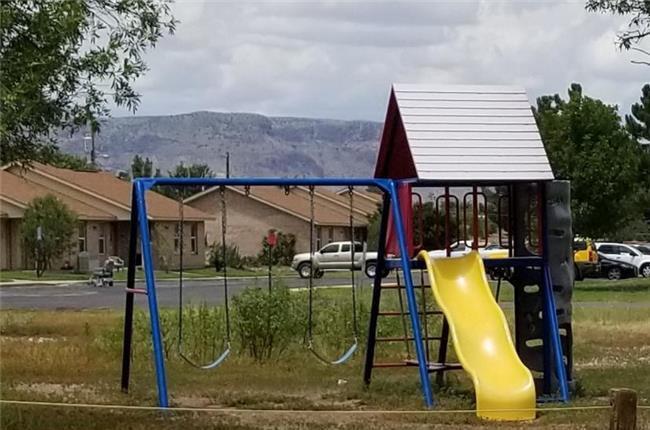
(336, 256)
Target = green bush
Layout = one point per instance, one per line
(282, 253)
(233, 257)
(266, 323)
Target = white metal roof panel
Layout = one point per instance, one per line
(472, 133)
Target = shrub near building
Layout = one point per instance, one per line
(47, 231)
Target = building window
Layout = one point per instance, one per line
(101, 241)
(330, 235)
(81, 239)
(177, 239)
(319, 237)
(194, 232)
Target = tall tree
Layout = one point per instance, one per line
(587, 144)
(47, 231)
(64, 61)
(638, 122)
(187, 171)
(143, 168)
(638, 27)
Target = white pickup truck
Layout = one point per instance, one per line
(336, 256)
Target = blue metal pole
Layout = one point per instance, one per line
(550, 318)
(159, 359)
(410, 296)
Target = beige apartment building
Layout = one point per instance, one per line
(102, 204)
(250, 215)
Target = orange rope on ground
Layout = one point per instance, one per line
(298, 411)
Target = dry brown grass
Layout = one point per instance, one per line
(75, 357)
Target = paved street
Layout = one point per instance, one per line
(82, 296)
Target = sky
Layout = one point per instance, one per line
(338, 60)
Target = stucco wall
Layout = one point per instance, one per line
(12, 257)
(164, 254)
(249, 222)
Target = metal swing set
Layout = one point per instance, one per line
(140, 232)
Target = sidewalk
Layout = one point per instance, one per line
(23, 282)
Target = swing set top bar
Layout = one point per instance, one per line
(383, 184)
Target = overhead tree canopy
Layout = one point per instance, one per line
(587, 144)
(638, 27)
(64, 61)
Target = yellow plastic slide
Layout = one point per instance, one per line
(504, 386)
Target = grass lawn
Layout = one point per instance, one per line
(30, 275)
(599, 290)
(74, 356)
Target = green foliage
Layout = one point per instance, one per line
(64, 160)
(266, 323)
(233, 257)
(283, 251)
(189, 171)
(333, 325)
(57, 224)
(64, 62)
(639, 25)
(434, 225)
(143, 168)
(587, 144)
(374, 224)
(638, 122)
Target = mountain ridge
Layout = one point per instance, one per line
(259, 145)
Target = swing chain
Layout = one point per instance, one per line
(311, 269)
(355, 327)
(247, 190)
(224, 354)
(224, 223)
(310, 344)
(287, 190)
(179, 228)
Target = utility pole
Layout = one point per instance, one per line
(92, 145)
(93, 155)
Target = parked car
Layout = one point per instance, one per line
(615, 270)
(643, 249)
(462, 248)
(336, 256)
(628, 254)
(585, 259)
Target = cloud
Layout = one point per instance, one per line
(338, 59)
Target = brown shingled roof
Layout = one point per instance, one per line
(326, 211)
(22, 191)
(118, 191)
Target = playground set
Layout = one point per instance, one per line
(460, 141)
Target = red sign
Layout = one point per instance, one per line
(272, 238)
